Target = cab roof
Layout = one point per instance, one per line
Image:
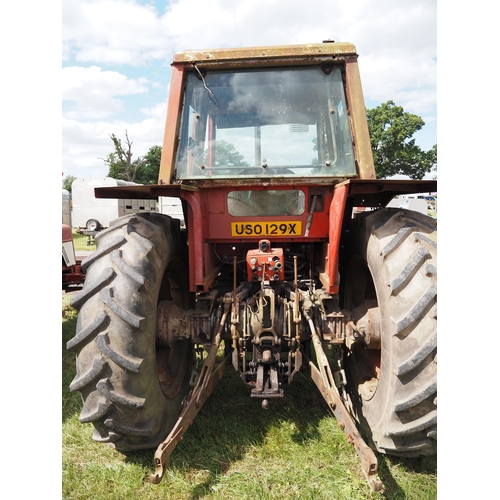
(326, 49)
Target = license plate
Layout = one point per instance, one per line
(278, 228)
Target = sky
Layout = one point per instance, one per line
(116, 57)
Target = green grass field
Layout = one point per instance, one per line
(234, 449)
(80, 242)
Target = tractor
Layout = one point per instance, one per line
(290, 261)
(72, 276)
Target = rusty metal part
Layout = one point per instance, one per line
(175, 323)
(332, 318)
(198, 398)
(369, 327)
(208, 378)
(310, 217)
(260, 54)
(324, 380)
(267, 382)
(363, 325)
(360, 132)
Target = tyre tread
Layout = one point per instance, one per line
(132, 319)
(401, 252)
(418, 310)
(418, 258)
(127, 363)
(114, 341)
(127, 400)
(86, 378)
(98, 323)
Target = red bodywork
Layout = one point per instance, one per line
(213, 240)
(209, 224)
(71, 275)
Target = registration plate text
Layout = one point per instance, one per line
(278, 228)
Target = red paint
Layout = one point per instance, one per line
(336, 217)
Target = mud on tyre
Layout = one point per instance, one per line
(132, 386)
(393, 385)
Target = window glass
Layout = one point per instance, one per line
(262, 203)
(265, 123)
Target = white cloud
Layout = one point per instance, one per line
(85, 143)
(92, 92)
(227, 23)
(112, 32)
(158, 111)
(411, 84)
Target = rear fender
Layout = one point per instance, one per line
(357, 195)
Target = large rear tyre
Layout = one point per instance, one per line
(393, 381)
(131, 383)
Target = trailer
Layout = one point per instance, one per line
(425, 203)
(66, 207)
(172, 206)
(92, 214)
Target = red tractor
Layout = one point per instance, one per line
(72, 276)
(289, 252)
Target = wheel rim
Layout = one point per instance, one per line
(172, 362)
(171, 368)
(92, 225)
(364, 362)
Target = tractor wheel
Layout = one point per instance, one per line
(132, 383)
(393, 377)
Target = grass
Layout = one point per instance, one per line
(80, 242)
(234, 449)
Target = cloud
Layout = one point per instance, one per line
(228, 23)
(85, 143)
(158, 111)
(412, 83)
(118, 32)
(91, 92)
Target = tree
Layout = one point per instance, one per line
(226, 155)
(67, 181)
(150, 169)
(394, 149)
(120, 162)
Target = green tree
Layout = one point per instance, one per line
(150, 169)
(393, 145)
(119, 161)
(226, 155)
(67, 181)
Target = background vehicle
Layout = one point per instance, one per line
(72, 275)
(66, 207)
(419, 205)
(268, 149)
(95, 214)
